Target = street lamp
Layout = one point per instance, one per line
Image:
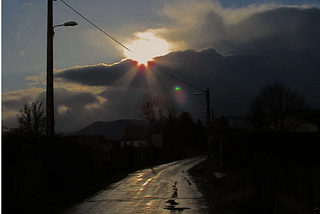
(207, 94)
(49, 92)
(67, 24)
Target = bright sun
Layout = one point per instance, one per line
(146, 47)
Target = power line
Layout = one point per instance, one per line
(178, 79)
(127, 47)
(95, 25)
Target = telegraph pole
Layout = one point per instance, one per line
(208, 123)
(49, 92)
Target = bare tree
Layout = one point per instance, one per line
(147, 107)
(172, 110)
(155, 108)
(272, 109)
(151, 107)
(32, 119)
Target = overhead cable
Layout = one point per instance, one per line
(95, 25)
(127, 47)
(177, 78)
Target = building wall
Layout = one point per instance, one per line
(138, 143)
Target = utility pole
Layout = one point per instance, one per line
(49, 92)
(209, 132)
(208, 124)
(212, 122)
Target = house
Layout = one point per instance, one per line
(9, 131)
(135, 136)
(5, 130)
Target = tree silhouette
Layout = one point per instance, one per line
(155, 108)
(172, 110)
(183, 131)
(150, 107)
(32, 120)
(223, 121)
(187, 129)
(272, 109)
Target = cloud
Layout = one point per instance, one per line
(232, 52)
(21, 52)
(27, 4)
(283, 29)
(62, 109)
(86, 75)
(233, 80)
(18, 36)
(13, 101)
(259, 28)
(188, 13)
(109, 92)
(37, 80)
(70, 103)
(23, 95)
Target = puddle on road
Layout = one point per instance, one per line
(172, 207)
(150, 205)
(146, 183)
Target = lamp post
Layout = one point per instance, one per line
(67, 24)
(207, 94)
(220, 151)
(49, 92)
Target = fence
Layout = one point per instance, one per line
(283, 165)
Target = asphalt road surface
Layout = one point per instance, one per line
(164, 188)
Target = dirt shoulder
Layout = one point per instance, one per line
(227, 192)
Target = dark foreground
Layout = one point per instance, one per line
(166, 188)
(226, 191)
(52, 174)
(244, 191)
(262, 173)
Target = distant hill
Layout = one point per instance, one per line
(111, 130)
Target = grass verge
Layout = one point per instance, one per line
(226, 194)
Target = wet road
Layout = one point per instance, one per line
(165, 188)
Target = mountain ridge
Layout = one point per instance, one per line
(111, 130)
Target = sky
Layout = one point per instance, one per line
(230, 47)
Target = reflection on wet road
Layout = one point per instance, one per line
(165, 188)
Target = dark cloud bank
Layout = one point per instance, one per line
(276, 45)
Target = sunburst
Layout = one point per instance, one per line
(146, 47)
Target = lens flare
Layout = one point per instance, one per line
(179, 95)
